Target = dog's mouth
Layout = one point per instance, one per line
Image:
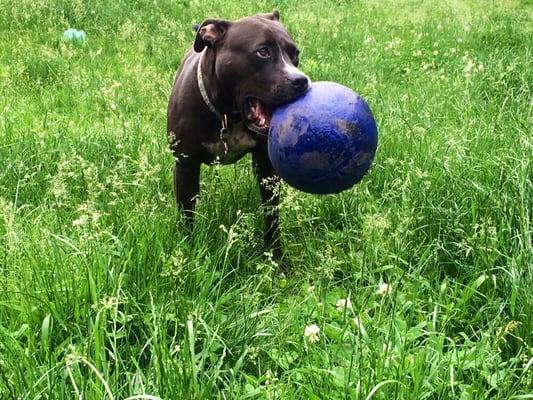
(257, 115)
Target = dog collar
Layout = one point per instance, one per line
(224, 131)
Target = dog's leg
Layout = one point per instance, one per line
(269, 186)
(186, 188)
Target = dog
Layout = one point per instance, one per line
(223, 97)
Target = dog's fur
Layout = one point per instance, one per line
(249, 67)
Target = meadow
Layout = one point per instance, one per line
(415, 284)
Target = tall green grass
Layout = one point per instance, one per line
(419, 279)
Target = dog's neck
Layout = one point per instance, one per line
(214, 94)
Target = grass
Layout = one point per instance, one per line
(102, 297)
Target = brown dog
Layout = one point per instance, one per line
(225, 90)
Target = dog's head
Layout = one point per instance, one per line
(255, 60)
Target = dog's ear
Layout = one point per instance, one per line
(273, 16)
(210, 32)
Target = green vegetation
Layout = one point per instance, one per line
(415, 284)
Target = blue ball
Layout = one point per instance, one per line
(324, 141)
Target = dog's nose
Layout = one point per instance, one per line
(300, 82)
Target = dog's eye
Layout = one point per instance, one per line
(263, 52)
(296, 59)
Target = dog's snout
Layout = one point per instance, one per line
(301, 82)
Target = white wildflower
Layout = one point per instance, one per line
(343, 304)
(80, 221)
(311, 333)
(384, 289)
(270, 378)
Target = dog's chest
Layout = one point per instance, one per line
(237, 144)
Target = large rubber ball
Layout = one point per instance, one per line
(324, 141)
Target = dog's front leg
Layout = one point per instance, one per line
(186, 187)
(269, 186)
